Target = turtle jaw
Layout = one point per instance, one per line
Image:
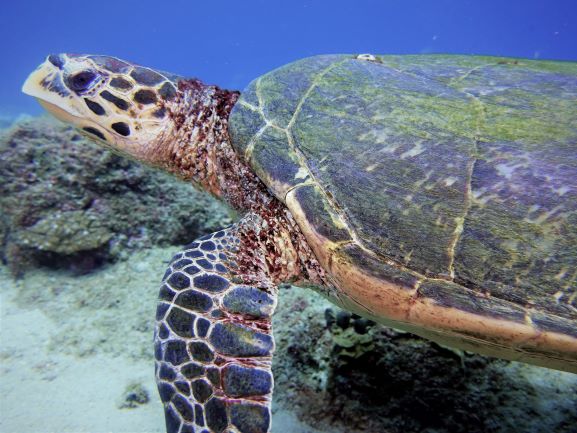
(48, 85)
(45, 84)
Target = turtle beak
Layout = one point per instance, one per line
(46, 84)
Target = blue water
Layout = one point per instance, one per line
(231, 42)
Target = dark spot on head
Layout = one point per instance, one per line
(146, 76)
(95, 107)
(81, 81)
(111, 64)
(120, 103)
(95, 132)
(120, 83)
(56, 60)
(159, 113)
(167, 91)
(145, 96)
(121, 128)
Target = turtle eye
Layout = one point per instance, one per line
(81, 81)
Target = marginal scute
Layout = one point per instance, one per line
(319, 214)
(392, 273)
(450, 295)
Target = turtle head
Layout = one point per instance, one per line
(119, 104)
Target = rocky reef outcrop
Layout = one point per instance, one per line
(67, 202)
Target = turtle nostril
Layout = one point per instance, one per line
(82, 80)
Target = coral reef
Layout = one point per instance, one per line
(66, 202)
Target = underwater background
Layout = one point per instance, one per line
(85, 235)
(229, 43)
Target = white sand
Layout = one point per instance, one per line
(66, 360)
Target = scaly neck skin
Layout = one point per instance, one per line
(198, 149)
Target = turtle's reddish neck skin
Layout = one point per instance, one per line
(198, 149)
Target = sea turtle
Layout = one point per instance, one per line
(432, 193)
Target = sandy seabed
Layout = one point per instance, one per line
(71, 345)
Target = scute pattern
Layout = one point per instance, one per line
(213, 343)
(453, 168)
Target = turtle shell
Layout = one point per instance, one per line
(439, 192)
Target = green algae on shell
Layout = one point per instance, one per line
(453, 174)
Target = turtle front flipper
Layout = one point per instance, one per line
(213, 341)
